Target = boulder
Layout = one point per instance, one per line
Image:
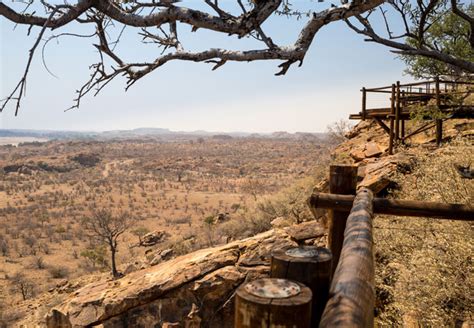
(369, 150)
(153, 238)
(467, 133)
(280, 222)
(161, 255)
(357, 154)
(305, 230)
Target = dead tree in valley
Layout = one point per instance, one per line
(107, 228)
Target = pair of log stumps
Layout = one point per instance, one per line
(293, 296)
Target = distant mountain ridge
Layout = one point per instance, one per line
(150, 132)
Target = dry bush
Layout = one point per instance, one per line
(58, 272)
(424, 266)
(95, 256)
(336, 131)
(290, 204)
(22, 285)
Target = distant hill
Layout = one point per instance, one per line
(47, 134)
(152, 133)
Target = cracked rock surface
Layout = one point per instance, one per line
(195, 289)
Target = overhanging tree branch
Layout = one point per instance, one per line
(154, 17)
(414, 41)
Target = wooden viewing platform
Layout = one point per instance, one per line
(405, 97)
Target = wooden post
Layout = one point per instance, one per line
(397, 113)
(403, 130)
(271, 302)
(364, 103)
(342, 180)
(402, 121)
(352, 293)
(439, 122)
(309, 265)
(392, 112)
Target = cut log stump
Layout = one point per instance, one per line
(271, 302)
(310, 266)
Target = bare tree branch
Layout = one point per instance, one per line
(421, 47)
(150, 15)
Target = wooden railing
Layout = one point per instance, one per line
(304, 292)
(402, 96)
(351, 295)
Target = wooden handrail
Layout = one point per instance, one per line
(386, 89)
(352, 293)
(397, 207)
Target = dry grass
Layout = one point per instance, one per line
(424, 266)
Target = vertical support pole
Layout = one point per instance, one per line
(439, 122)
(364, 103)
(402, 120)
(342, 180)
(397, 113)
(403, 130)
(392, 112)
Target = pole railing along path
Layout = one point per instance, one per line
(301, 286)
(352, 294)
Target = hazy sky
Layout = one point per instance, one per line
(189, 96)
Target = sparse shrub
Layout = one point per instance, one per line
(38, 262)
(182, 220)
(234, 207)
(96, 256)
(336, 131)
(4, 246)
(58, 272)
(22, 285)
(140, 232)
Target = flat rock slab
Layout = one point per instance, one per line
(378, 174)
(372, 150)
(172, 289)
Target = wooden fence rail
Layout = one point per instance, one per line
(352, 293)
(397, 207)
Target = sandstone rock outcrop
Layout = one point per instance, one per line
(377, 174)
(193, 288)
